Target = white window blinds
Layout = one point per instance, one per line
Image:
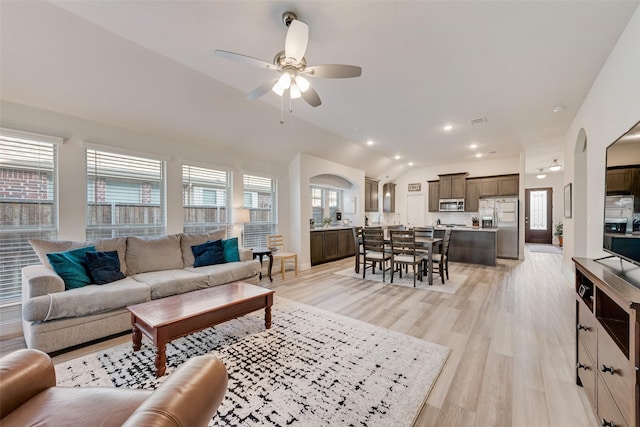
(28, 206)
(205, 199)
(125, 195)
(260, 199)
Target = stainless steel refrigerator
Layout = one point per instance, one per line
(504, 211)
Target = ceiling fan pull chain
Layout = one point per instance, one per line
(281, 110)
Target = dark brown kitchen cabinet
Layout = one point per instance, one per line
(370, 195)
(619, 181)
(452, 186)
(508, 185)
(389, 197)
(434, 196)
(472, 196)
(331, 244)
(488, 186)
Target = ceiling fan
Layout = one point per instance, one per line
(292, 67)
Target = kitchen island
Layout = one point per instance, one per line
(472, 245)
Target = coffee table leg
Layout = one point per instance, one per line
(161, 360)
(267, 317)
(137, 338)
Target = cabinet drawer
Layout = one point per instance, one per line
(587, 328)
(607, 410)
(620, 383)
(587, 373)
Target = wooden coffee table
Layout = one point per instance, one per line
(166, 319)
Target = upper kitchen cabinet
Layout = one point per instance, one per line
(370, 195)
(452, 186)
(389, 197)
(472, 196)
(508, 185)
(619, 181)
(434, 196)
(488, 186)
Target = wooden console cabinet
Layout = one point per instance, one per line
(608, 336)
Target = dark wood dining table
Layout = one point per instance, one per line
(432, 244)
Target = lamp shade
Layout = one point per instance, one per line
(242, 216)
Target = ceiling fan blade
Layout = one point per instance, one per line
(261, 90)
(244, 59)
(295, 44)
(333, 71)
(311, 96)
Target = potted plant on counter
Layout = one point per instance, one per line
(326, 221)
(558, 233)
(475, 222)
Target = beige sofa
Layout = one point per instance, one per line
(54, 319)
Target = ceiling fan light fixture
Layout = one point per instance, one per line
(277, 89)
(284, 81)
(302, 83)
(295, 92)
(555, 166)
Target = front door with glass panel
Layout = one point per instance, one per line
(537, 221)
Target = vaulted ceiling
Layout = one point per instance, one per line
(149, 65)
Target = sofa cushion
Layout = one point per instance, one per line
(87, 300)
(228, 272)
(44, 247)
(153, 254)
(118, 244)
(172, 282)
(104, 267)
(71, 266)
(208, 253)
(231, 250)
(187, 240)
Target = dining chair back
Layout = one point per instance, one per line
(357, 241)
(442, 259)
(403, 253)
(276, 244)
(373, 250)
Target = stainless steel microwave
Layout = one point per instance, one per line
(451, 205)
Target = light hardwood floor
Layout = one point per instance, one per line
(511, 329)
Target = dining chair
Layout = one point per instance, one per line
(423, 232)
(442, 259)
(403, 253)
(357, 240)
(276, 244)
(373, 250)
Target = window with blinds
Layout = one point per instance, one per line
(205, 199)
(125, 195)
(28, 205)
(260, 199)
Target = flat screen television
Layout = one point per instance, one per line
(622, 197)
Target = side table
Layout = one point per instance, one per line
(260, 253)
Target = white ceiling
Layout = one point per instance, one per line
(149, 65)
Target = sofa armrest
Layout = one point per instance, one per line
(39, 280)
(23, 374)
(245, 254)
(189, 397)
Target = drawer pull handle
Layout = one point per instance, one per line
(582, 366)
(606, 368)
(606, 423)
(582, 327)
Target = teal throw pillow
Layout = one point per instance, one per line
(104, 267)
(208, 253)
(231, 250)
(71, 267)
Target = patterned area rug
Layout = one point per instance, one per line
(312, 368)
(450, 286)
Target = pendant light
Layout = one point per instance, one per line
(541, 175)
(555, 166)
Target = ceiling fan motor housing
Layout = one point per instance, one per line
(287, 17)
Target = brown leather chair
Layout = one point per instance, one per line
(29, 396)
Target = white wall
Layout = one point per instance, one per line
(611, 107)
(71, 161)
(301, 172)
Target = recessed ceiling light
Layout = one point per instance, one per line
(478, 154)
(410, 163)
(397, 157)
(369, 142)
(473, 146)
(558, 108)
(447, 127)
